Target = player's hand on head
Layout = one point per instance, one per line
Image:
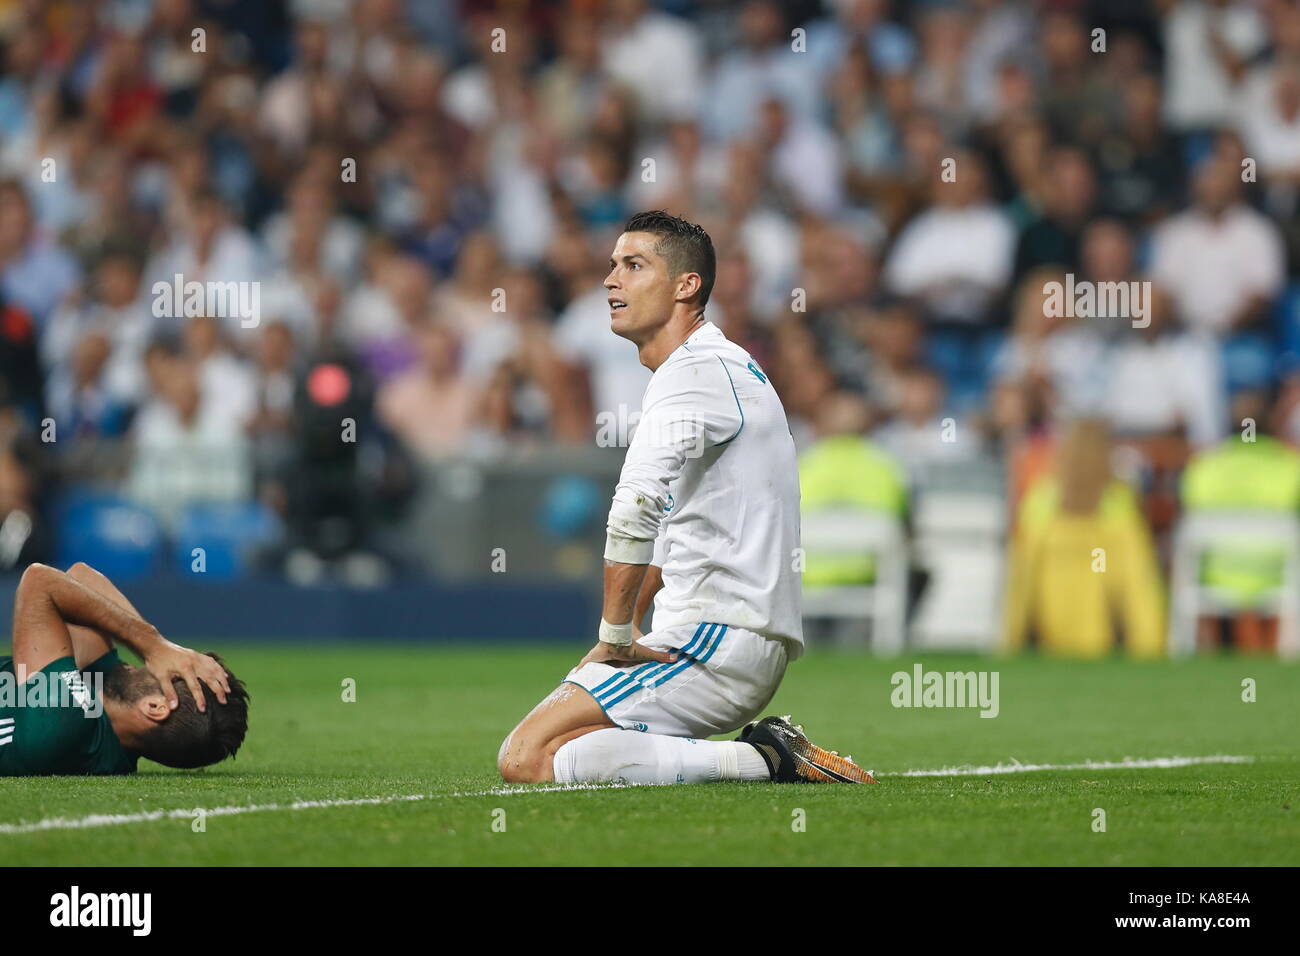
(634, 653)
(170, 661)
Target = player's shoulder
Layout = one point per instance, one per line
(707, 353)
(698, 382)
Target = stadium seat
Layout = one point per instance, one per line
(963, 358)
(1286, 326)
(228, 534)
(110, 533)
(1199, 533)
(959, 538)
(1249, 360)
(80, 497)
(883, 602)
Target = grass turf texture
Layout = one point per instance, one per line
(429, 721)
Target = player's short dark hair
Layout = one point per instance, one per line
(187, 738)
(685, 247)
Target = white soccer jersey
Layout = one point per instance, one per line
(711, 478)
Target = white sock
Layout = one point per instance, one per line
(635, 757)
(752, 766)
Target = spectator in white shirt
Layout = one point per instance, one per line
(689, 174)
(115, 311)
(1207, 45)
(228, 382)
(1270, 127)
(285, 109)
(955, 257)
(1067, 354)
(1222, 262)
(1163, 380)
(764, 61)
(211, 248)
(310, 211)
(919, 437)
(187, 449)
(804, 158)
(657, 55)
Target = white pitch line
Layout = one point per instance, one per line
(148, 816)
(119, 819)
(1152, 763)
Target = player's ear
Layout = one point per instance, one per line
(688, 284)
(153, 707)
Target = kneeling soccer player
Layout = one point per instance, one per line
(705, 521)
(182, 708)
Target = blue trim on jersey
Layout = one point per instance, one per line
(623, 679)
(701, 660)
(593, 697)
(622, 676)
(656, 681)
(716, 644)
(686, 652)
(732, 383)
(603, 684)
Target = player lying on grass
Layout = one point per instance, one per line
(704, 522)
(182, 708)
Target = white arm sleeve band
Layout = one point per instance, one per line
(627, 550)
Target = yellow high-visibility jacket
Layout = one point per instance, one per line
(1260, 475)
(1081, 583)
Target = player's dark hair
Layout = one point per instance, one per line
(685, 247)
(187, 738)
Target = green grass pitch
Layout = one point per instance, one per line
(427, 722)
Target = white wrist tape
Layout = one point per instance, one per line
(619, 634)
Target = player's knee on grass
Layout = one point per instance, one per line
(532, 759)
(522, 759)
(501, 754)
(526, 755)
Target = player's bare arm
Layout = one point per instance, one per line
(89, 644)
(49, 600)
(617, 644)
(651, 585)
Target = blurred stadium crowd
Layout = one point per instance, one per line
(426, 193)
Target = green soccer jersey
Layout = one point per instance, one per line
(60, 728)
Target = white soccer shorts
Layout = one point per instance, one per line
(722, 678)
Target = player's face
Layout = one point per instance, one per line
(640, 289)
